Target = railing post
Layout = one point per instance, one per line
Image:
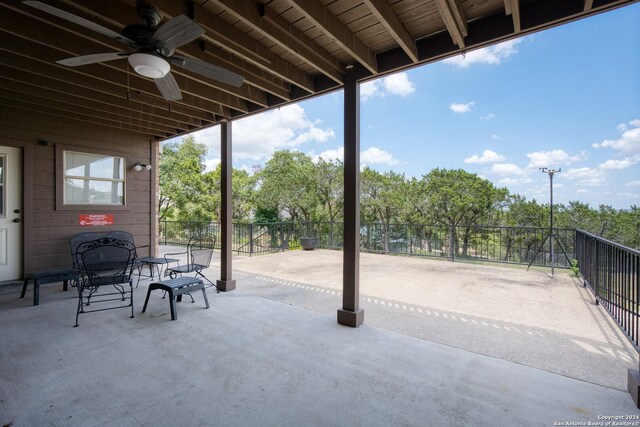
(452, 248)
(597, 284)
(250, 239)
(282, 236)
(331, 231)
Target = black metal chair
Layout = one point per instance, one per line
(198, 258)
(103, 259)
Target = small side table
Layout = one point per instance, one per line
(53, 275)
(154, 264)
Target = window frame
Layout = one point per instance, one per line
(61, 178)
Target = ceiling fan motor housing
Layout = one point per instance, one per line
(151, 15)
(140, 35)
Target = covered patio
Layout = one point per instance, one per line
(275, 355)
(247, 360)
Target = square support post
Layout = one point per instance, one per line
(351, 314)
(226, 283)
(633, 385)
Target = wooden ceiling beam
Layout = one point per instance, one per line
(201, 86)
(120, 76)
(220, 33)
(254, 91)
(255, 83)
(454, 19)
(61, 74)
(64, 116)
(269, 24)
(387, 17)
(66, 97)
(321, 17)
(214, 28)
(512, 7)
(59, 105)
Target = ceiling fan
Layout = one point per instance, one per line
(153, 47)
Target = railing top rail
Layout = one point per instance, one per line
(609, 242)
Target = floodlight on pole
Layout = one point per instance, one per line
(551, 173)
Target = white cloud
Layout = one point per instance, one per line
(514, 181)
(629, 195)
(495, 137)
(553, 158)
(586, 176)
(629, 141)
(369, 90)
(328, 155)
(619, 164)
(370, 156)
(211, 164)
(461, 108)
(256, 138)
(633, 183)
(375, 155)
(506, 169)
(395, 84)
(489, 55)
(581, 191)
(398, 84)
(489, 116)
(487, 156)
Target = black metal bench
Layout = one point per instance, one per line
(53, 275)
(176, 288)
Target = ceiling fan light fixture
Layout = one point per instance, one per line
(149, 65)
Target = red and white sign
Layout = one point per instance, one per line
(95, 219)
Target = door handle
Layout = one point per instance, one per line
(16, 219)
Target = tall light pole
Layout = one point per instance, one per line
(551, 172)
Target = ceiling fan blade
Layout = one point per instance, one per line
(176, 32)
(78, 20)
(168, 87)
(208, 70)
(92, 59)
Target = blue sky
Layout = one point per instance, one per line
(565, 98)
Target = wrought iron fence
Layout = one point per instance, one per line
(612, 272)
(518, 245)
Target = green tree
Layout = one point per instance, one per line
(456, 197)
(330, 188)
(180, 179)
(520, 212)
(288, 183)
(382, 200)
(626, 229)
(242, 185)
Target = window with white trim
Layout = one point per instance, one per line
(93, 179)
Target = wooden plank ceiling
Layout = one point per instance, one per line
(286, 50)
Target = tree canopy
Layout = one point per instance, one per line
(292, 186)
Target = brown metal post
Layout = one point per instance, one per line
(351, 314)
(226, 283)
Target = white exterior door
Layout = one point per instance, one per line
(10, 214)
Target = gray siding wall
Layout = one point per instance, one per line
(48, 229)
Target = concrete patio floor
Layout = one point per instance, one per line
(257, 360)
(501, 311)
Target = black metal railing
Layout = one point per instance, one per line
(612, 272)
(516, 245)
